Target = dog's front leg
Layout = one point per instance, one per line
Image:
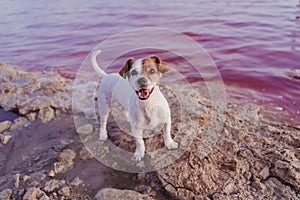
(169, 142)
(139, 141)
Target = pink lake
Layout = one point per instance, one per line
(255, 44)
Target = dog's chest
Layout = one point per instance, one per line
(149, 116)
(155, 116)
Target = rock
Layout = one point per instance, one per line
(17, 180)
(34, 193)
(19, 123)
(28, 92)
(76, 182)
(287, 173)
(5, 138)
(53, 185)
(277, 190)
(4, 126)
(85, 129)
(237, 166)
(109, 193)
(65, 191)
(51, 173)
(26, 178)
(6, 194)
(31, 116)
(46, 114)
(264, 173)
(85, 154)
(144, 189)
(65, 161)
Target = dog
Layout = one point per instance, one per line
(136, 88)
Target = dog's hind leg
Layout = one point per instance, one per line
(104, 110)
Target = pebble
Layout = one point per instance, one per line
(85, 129)
(4, 126)
(5, 138)
(65, 191)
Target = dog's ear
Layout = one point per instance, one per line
(125, 69)
(162, 66)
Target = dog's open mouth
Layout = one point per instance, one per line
(144, 93)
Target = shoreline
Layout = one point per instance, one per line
(45, 158)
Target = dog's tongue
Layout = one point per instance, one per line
(143, 94)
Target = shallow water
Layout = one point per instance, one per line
(255, 44)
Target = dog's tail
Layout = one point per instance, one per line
(96, 67)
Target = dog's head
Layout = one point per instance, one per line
(144, 74)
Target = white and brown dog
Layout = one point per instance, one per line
(136, 88)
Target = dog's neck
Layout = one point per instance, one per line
(147, 106)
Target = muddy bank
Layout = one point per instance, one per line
(254, 156)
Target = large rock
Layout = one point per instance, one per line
(248, 153)
(288, 173)
(30, 92)
(109, 194)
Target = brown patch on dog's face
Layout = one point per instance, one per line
(125, 69)
(153, 68)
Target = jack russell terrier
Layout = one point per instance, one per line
(136, 88)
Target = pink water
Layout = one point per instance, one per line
(254, 43)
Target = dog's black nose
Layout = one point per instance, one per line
(142, 81)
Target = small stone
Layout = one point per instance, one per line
(31, 116)
(108, 194)
(26, 178)
(4, 126)
(141, 176)
(19, 123)
(229, 188)
(259, 186)
(264, 173)
(46, 114)
(65, 191)
(5, 194)
(85, 129)
(51, 173)
(53, 184)
(5, 138)
(65, 161)
(67, 155)
(17, 180)
(76, 182)
(143, 189)
(85, 154)
(34, 193)
(57, 113)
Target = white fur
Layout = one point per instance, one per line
(143, 114)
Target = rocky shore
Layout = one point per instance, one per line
(43, 155)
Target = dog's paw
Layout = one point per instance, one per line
(103, 135)
(172, 145)
(139, 155)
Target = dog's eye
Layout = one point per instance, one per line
(133, 73)
(152, 71)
